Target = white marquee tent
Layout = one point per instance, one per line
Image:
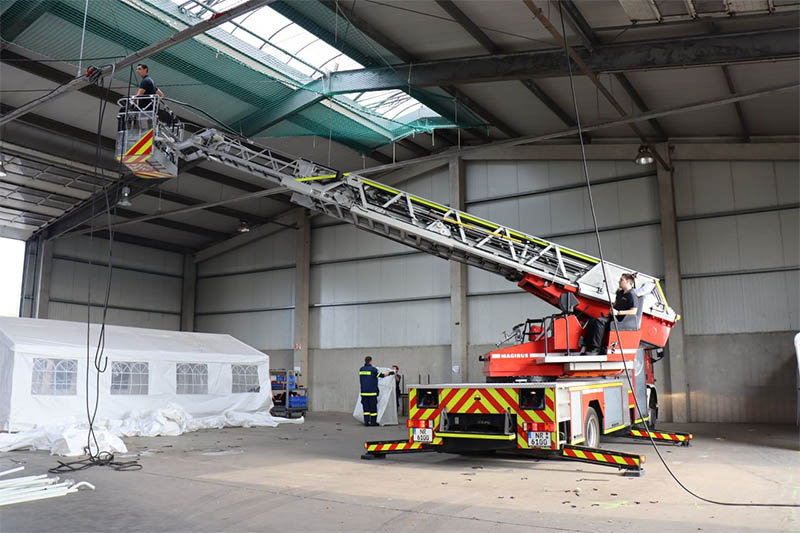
(43, 375)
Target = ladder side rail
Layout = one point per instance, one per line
(416, 222)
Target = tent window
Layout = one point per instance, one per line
(192, 378)
(55, 377)
(129, 378)
(245, 378)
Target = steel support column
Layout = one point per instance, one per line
(458, 284)
(188, 293)
(678, 382)
(301, 294)
(41, 294)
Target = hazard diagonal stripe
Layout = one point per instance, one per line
(464, 397)
(487, 393)
(603, 457)
(147, 137)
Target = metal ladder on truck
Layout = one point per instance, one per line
(547, 270)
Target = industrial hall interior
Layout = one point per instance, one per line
(399, 265)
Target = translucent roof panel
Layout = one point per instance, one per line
(273, 33)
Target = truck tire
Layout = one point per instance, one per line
(591, 429)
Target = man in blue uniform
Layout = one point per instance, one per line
(368, 375)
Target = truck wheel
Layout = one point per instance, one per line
(591, 429)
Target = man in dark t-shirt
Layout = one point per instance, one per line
(624, 305)
(147, 87)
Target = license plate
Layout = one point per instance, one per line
(539, 439)
(423, 435)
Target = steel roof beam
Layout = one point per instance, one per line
(584, 29)
(465, 22)
(303, 99)
(589, 73)
(146, 51)
(219, 209)
(143, 241)
(210, 234)
(109, 143)
(488, 149)
(478, 34)
(367, 29)
(739, 111)
(676, 52)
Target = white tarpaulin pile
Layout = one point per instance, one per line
(156, 383)
(387, 406)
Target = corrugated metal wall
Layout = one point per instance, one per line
(249, 292)
(738, 234)
(738, 237)
(549, 199)
(145, 288)
(367, 291)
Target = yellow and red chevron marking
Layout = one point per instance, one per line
(143, 146)
(487, 401)
(550, 404)
(610, 458)
(657, 435)
(392, 446)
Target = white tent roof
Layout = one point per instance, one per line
(57, 338)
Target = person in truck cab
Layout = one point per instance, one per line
(624, 307)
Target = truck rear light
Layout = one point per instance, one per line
(539, 426)
(419, 423)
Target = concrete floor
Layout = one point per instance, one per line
(310, 478)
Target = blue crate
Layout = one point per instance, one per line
(298, 401)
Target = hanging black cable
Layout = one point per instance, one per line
(99, 458)
(608, 292)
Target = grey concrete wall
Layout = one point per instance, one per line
(742, 377)
(334, 372)
(279, 358)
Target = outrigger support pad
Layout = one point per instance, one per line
(631, 463)
(672, 437)
(379, 449)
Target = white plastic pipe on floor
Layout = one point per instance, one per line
(32, 488)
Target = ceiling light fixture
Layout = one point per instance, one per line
(244, 227)
(645, 156)
(125, 201)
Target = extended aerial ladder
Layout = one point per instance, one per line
(150, 141)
